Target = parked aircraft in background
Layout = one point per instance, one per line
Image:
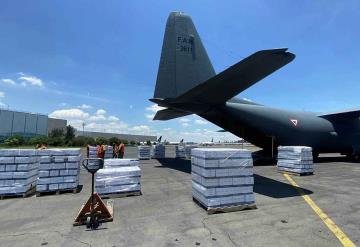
(187, 84)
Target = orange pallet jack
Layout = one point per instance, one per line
(94, 211)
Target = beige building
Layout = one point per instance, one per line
(128, 137)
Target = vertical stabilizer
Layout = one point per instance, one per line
(184, 62)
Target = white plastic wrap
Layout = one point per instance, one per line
(118, 180)
(188, 149)
(222, 177)
(120, 162)
(180, 151)
(144, 152)
(158, 151)
(18, 173)
(59, 171)
(297, 159)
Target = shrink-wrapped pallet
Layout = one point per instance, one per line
(58, 169)
(295, 159)
(158, 151)
(180, 151)
(188, 149)
(144, 152)
(112, 163)
(222, 177)
(117, 180)
(18, 171)
(93, 152)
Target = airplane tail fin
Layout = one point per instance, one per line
(184, 62)
(187, 83)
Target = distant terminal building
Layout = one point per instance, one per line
(128, 137)
(27, 124)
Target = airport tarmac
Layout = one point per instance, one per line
(165, 215)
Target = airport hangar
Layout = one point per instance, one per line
(33, 124)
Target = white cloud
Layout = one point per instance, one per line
(70, 114)
(85, 106)
(140, 128)
(31, 80)
(8, 81)
(100, 112)
(97, 118)
(200, 122)
(184, 120)
(131, 106)
(113, 118)
(2, 94)
(185, 124)
(154, 108)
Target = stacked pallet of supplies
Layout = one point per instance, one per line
(18, 171)
(180, 151)
(58, 169)
(144, 152)
(222, 177)
(188, 149)
(92, 152)
(108, 152)
(118, 176)
(295, 159)
(158, 151)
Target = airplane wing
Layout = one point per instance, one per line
(238, 77)
(345, 115)
(169, 113)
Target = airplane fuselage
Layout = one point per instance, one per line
(269, 127)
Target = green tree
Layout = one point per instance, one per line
(132, 143)
(148, 143)
(82, 141)
(56, 133)
(38, 140)
(101, 140)
(15, 140)
(115, 140)
(70, 133)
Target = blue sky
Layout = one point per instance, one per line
(96, 61)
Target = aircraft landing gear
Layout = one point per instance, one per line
(315, 156)
(355, 157)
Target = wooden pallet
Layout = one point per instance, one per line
(296, 174)
(226, 209)
(120, 194)
(56, 192)
(21, 195)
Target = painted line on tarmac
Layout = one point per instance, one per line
(328, 222)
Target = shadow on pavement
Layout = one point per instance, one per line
(274, 188)
(176, 164)
(263, 185)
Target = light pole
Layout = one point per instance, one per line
(83, 125)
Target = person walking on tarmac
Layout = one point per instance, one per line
(115, 151)
(121, 150)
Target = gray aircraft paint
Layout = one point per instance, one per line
(182, 79)
(182, 51)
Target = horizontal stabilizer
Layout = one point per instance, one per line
(169, 113)
(238, 77)
(345, 115)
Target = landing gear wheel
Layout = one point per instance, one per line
(356, 158)
(315, 156)
(88, 222)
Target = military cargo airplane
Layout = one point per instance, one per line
(187, 84)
